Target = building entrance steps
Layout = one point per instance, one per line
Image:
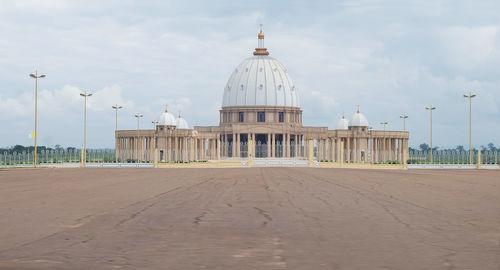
(280, 162)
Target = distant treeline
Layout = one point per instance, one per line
(20, 149)
(426, 147)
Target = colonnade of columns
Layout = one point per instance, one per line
(362, 149)
(189, 148)
(277, 144)
(170, 149)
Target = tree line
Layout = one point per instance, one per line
(21, 148)
(426, 147)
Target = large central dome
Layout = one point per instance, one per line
(260, 81)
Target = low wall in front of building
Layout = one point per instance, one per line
(208, 164)
(361, 165)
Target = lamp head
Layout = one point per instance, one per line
(42, 76)
(32, 76)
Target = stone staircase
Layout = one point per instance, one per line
(279, 162)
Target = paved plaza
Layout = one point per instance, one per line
(249, 218)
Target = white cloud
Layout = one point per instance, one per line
(58, 102)
(470, 47)
(16, 107)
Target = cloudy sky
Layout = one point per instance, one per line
(389, 57)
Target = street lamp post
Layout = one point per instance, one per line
(116, 108)
(431, 108)
(36, 77)
(84, 157)
(404, 116)
(384, 124)
(470, 96)
(138, 116)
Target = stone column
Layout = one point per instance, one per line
(213, 151)
(377, 140)
(198, 149)
(326, 145)
(406, 150)
(180, 149)
(354, 150)
(359, 150)
(297, 145)
(288, 145)
(374, 149)
(348, 150)
(190, 149)
(253, 145)
(219, 146)
(330, 149)
(187, 156)
(401, 144)
(389, 149)
(233, 149)
(379, 150)
(283, 144)
(180, 156)
(203, 148)
(238, 153)
(273, 145)
(176, 147)
(268, 145)
(323, 149)
(338, 143)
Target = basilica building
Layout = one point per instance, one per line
(261, 117)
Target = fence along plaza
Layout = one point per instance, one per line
(107, 156)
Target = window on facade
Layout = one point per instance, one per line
(281, 117)
(261, 117)
(241, 117)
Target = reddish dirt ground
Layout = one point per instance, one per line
(258, 218)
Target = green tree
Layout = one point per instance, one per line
(18, 148)
(492, 147)
(424, 147)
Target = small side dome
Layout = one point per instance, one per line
(342, 124)
(167, 119)
(358, 120)
(181, 123)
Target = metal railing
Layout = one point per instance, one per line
(453, 157)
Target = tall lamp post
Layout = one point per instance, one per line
(84, 157)
(384, 124)
(404, 116)
(36, 77)
(431, 108)
(116, 108)
(138, 116)
(470, 96)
